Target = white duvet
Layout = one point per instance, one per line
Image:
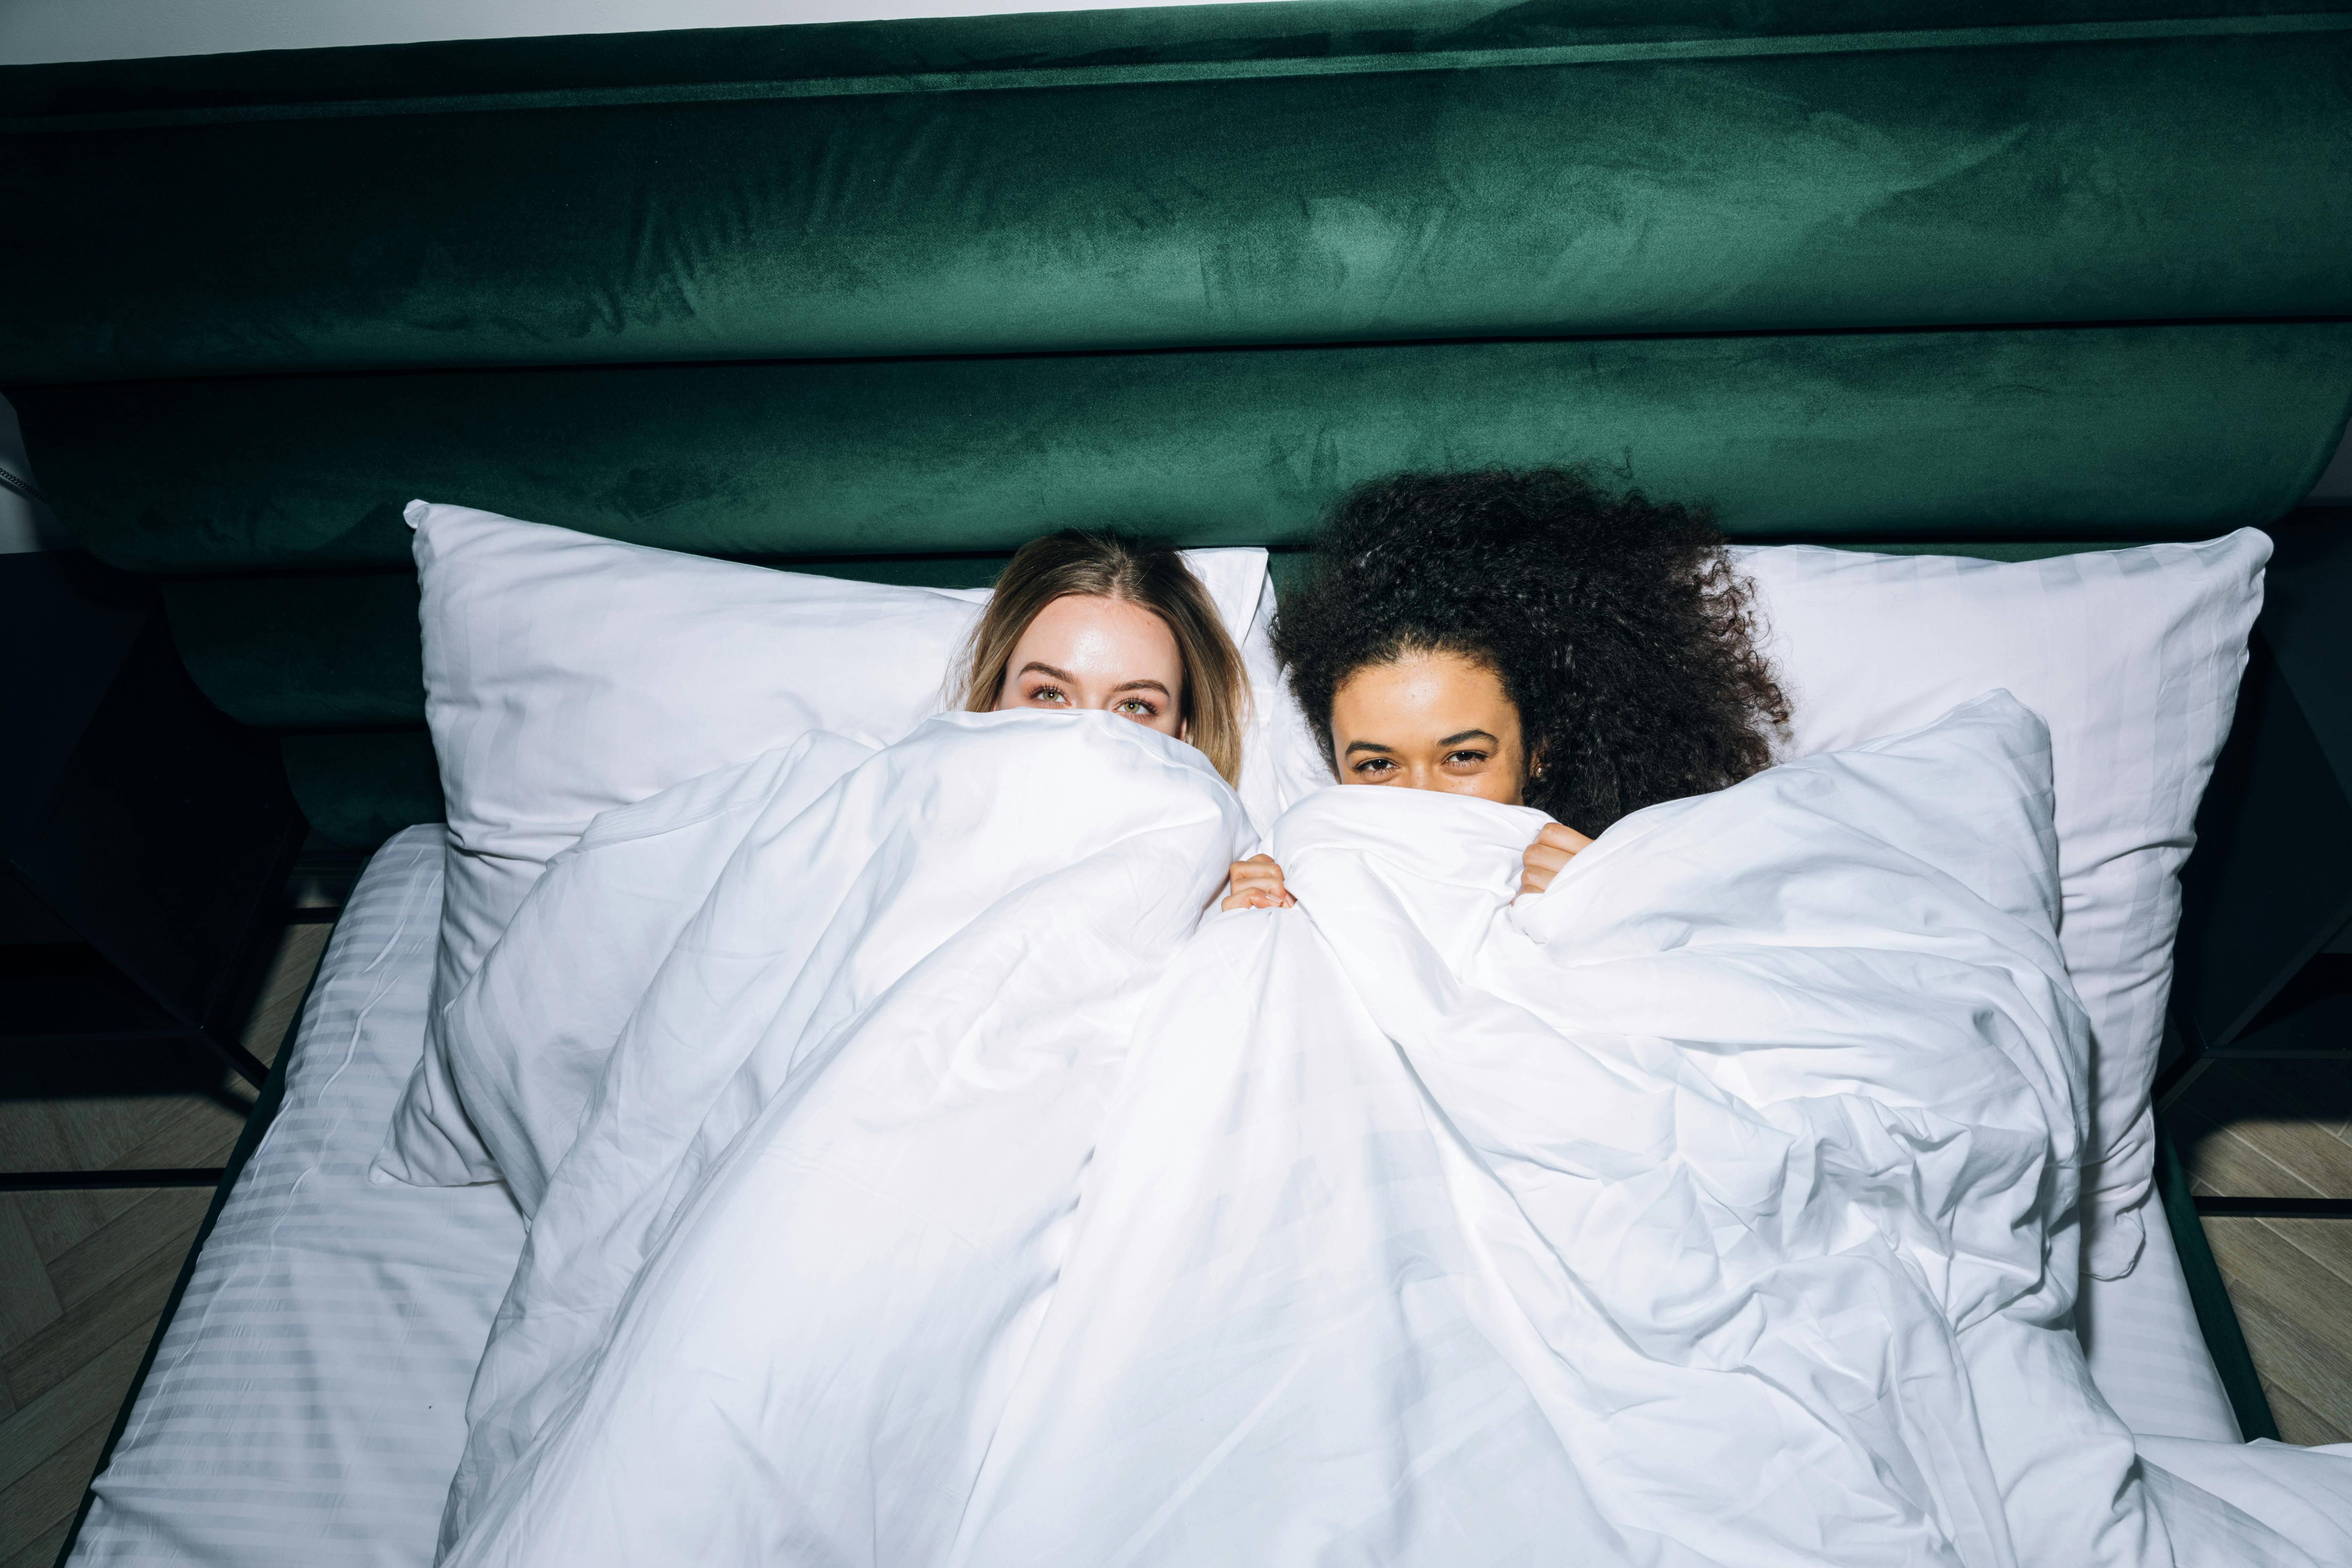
(948, 1198)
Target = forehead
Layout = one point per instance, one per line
(1435, 694)
(1081, 630)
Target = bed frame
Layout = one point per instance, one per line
(883, 300)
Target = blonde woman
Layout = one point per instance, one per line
(1088, 620)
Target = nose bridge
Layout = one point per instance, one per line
(1428, 772)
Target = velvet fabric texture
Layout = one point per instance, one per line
(1695, 173)
(2084, 433)
(293, 610)
(1167, 42)
(359, 787)
(888, 298)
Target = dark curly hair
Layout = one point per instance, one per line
(1616, 624)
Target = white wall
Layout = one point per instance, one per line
(39, 30)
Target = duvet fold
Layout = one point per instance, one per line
(836, 1142)
(957, 1194)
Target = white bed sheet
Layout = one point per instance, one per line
(2148, 1355)
(307, 1406)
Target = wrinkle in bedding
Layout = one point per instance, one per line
(1718, 1206)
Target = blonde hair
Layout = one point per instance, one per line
(1214, 703)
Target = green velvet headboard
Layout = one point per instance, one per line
(887, 299)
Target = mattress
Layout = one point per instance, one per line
(307, 1404)
(2146, 1353)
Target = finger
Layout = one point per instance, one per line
(1539, 865)
(1562, 837)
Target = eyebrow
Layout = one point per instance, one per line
(1453, 740)
(1042, 667)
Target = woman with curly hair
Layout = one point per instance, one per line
(1528, 637)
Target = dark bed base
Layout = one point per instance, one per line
(2217, 1319)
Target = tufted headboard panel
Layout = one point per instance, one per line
(885, 298)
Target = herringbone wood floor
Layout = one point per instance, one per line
(83, 1276)
(2283, 1129)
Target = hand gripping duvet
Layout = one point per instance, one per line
(950, 1198)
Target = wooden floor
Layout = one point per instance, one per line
(2280, 1130)
(83, 1276)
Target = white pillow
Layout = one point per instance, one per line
(513, 1058)
(2132, 658)
(567, 675)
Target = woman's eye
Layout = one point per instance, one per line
(1136, 708)
(1465, 759)
(1046, 694)
(1374, 767)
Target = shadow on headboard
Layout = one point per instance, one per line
(885, 298)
